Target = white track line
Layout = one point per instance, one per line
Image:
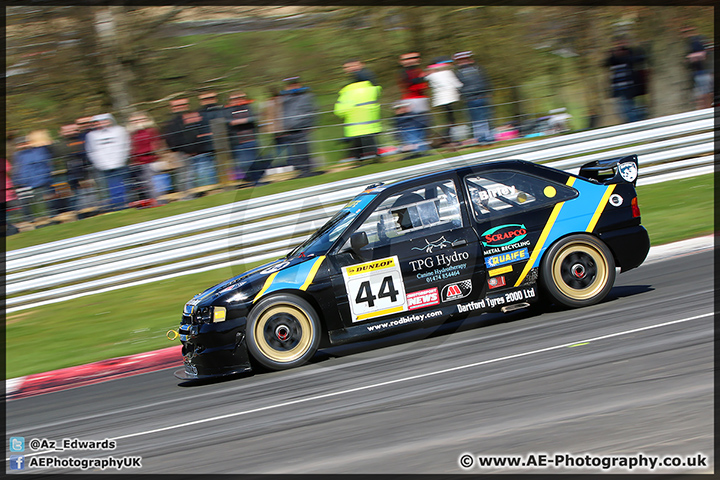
(392, 382)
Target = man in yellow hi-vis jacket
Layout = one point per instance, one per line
(359, 107)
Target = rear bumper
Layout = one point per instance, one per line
(629, 246)
(213, 350)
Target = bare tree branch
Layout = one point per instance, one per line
(149, 28)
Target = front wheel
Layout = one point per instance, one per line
(283, 331)
(578, 271)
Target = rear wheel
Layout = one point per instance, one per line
(283, 331)
(578, 271)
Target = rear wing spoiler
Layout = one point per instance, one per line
(615, 170)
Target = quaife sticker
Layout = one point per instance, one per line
(505, 258)
(375, 288)
(423, 298)
(456, 291)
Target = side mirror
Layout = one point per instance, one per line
(357, 241)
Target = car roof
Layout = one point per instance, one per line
(514, 164)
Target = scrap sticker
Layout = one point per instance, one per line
(375, 288)
(423, 298)
(456, 291)
(505, 258)
(503, 235)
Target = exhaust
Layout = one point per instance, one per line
(514, 307)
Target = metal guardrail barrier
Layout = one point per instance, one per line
(704, 116)
(266, 227)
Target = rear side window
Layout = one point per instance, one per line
(506, 192)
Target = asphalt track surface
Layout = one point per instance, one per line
(631, 375)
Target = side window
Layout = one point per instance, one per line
(414, 212)
(504, 192)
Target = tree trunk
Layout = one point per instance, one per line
(114, 71)
(669, 78)
(417, 30)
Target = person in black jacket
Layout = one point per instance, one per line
(299, 111)
(242, 130)
(199, 144)
(475, 91)
(622, 63)
(71, 150)
(173, 134)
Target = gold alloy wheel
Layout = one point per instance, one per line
(283, 333)
(580, 270)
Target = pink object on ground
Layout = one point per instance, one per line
(65, 378)
(506, 135)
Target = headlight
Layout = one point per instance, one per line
(219, 314)
(203, 315)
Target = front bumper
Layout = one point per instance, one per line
(213, 350)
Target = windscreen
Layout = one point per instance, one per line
(321, 241)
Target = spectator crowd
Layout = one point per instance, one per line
(98, 165)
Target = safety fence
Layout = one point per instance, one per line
(264, 228)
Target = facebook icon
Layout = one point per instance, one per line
(17, 462)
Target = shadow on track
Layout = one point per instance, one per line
(446, 329)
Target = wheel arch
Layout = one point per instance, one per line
(549, 247)
(548, 254)
(263, 353)
(303, 295)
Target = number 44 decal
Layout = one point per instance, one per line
(375, 288)
(387, 289)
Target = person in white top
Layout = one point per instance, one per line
(108, 148)
(445, 88)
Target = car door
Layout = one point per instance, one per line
(510, 210)
(419, 254)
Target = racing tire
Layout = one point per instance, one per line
(283, 331)
(578, 271)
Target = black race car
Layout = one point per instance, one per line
(492, 237)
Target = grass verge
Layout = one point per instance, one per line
(135, 319)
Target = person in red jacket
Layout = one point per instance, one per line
(412, 82)
(414, 90)
(10, 201)
(144, 143)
